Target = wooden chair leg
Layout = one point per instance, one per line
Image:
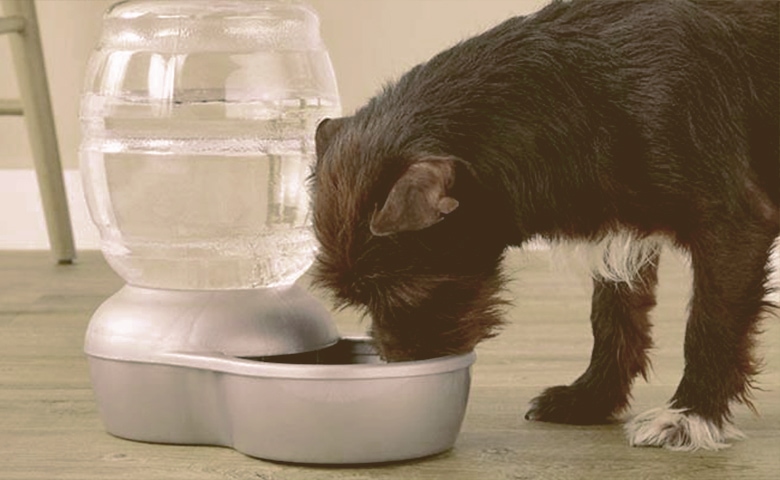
(31, 72)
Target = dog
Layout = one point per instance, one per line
(613, 123)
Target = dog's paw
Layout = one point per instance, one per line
(568, 404)
(675, 429)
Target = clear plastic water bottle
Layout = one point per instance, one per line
(198, 122)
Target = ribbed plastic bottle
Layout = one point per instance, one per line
(198, 121)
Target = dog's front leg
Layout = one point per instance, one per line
(729, 267)
(621, 339)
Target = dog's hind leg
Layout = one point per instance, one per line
(621, 334)
(729, 267)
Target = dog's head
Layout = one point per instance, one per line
(404, 235)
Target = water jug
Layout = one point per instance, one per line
(198, 121)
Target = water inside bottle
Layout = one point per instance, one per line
(202, 194)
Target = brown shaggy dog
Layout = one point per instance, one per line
(588, 121)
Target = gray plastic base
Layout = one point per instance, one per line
(348, 408)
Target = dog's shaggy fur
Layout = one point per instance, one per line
(607, 122)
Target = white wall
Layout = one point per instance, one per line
(370, 41)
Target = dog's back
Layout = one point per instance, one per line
(706, 89)
(691, 96)
(755, 29)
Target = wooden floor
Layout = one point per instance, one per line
(49, 427)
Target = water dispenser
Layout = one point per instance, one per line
(198, 122)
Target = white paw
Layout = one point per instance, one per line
(674, 429)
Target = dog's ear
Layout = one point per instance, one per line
(326, 130)
(419, 199)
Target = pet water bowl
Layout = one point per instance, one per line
(167, 378)
(199, 121)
